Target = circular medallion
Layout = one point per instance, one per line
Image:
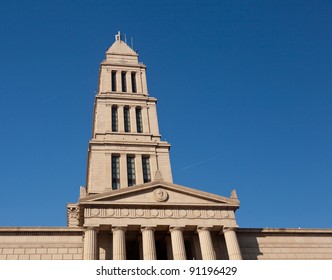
(124, 212)
(154, 212)
(210, 213)
(110, 212)
(94, 212)
(197, 213)
(160, 195)
(139, 212)
(224, 214)
(168, 213)
(182, 213)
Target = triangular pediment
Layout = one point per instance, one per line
(159, 193)
(121, 48)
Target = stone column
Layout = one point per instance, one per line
(138, 82)
(133, 126)
(90, 244)
(232, 244)
(109, 117)
(153, 166)
(139, 169)
(108, 173)
(118, 81)
(206, 244)
(145, 120)
(128, 81)
(179, 250)
(123, 171)
(119, 243)
(149, 245)
(120, 119)
(144, 83)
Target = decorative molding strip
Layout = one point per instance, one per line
(159, 213)
(37, 232)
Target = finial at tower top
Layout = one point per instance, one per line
(118, 36)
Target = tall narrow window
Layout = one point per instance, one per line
(123, 81)
(126, 116)
(131, 171)
(115, 172)
(114, 118)
(139, 123)
(133, 82)
(146, 169)
(113, 80)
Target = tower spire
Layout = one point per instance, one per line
(118, 36)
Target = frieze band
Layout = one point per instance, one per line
(158, 213)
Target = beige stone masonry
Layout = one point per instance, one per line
(119, 243)
(41, 243)
(232, 244)
(178, 248)
(149, 246)
(206, 244)
(90, 244)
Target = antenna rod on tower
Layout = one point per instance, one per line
(132, 42)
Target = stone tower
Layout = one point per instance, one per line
(125, 136)
(130, 208)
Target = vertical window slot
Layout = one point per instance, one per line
(124, 81)
(113, 80)
(146, 169)
(114, 118)
(126, 116)
(115, 172)
(139, 122)
(133, 82)
(131, 171)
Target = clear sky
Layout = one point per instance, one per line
(244, 94)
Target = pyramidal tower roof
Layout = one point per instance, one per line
(120, 48)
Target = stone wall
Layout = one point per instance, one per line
(41, 244)
(281, 244)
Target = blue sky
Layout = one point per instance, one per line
(244, 94)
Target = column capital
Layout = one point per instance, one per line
(176, 228)
(199, 229)
(119, 228)
(96, 229)
(226, 229)
(143, 228)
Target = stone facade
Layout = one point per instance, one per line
(41, 244)
(131, 209)
(276, 244)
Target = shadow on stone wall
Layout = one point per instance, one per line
(248, 243)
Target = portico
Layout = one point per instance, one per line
(159, 220)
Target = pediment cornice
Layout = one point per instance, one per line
(160, 193)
